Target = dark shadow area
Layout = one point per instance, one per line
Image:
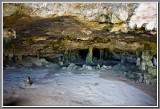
(13, 101)
(96, 53)
(83, 53)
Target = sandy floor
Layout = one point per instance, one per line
(73, 88)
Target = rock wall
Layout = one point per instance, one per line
(100, 12)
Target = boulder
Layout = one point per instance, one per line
(86, 67)
(72, 66)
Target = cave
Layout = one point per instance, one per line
(96, 53)
(80, 54)
(83, 54)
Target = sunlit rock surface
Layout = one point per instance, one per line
(145, 15)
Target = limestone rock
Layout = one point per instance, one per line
(146, 60)
(148, 79)
(72, 66)
(138, 62)
(149, 17)
(152, 71)
(101, 12)
(106, 67)
(146, 55)
(85, 31)
(89, 56)
(114, 19)
(9, 9)
(121, 10)
(86, 67)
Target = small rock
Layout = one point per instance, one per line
(106, 67)
(27, 81)
(72, 66)
(86, 67)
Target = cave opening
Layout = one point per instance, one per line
(96, 53)
(83, 54)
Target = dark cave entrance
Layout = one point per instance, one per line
(96, 53)
(83, 53)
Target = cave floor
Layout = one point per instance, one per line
(74, 88)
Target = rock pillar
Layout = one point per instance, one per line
(89, 56)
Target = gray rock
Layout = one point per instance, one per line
(27, 81)
(72, 66)
(86, 67)
(138, 62)
(106, 67)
